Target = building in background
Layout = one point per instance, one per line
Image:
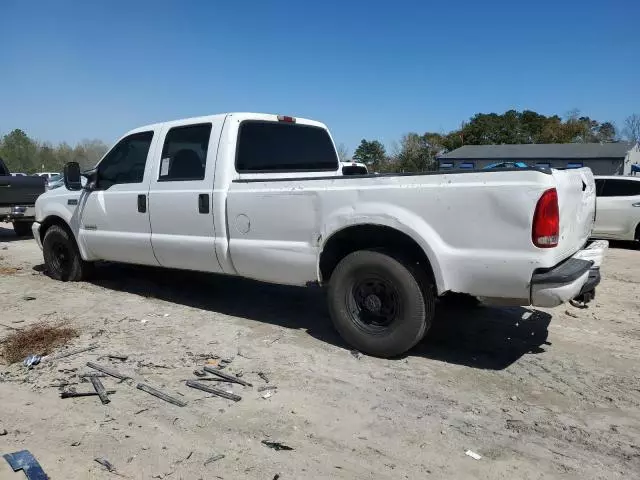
(602, 158)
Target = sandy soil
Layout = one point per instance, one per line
(539, 394)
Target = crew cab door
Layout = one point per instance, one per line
(181, 196)
(114, 215)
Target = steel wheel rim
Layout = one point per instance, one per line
(60, 258)
(373, 303)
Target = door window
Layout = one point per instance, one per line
(125, 163)
(184, 154)
(620, 188)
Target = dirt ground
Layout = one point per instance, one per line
(538, 394)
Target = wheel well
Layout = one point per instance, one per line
(637, 236)
(49, 222)
(370, 237)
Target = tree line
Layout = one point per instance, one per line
(24, 154)
(414, 153)
(418, 152)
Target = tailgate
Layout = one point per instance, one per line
(577, 201)
(20, 190)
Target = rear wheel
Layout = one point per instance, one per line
(380, 304)
(62, 257)
(22, 229)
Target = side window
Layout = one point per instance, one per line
(184, 154)
(467, 165)
(126, 161)
(599, 186)
(574, 165)
(284, 147)
(620, 188)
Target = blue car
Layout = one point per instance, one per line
(506, 165)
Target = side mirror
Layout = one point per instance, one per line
(72, 179)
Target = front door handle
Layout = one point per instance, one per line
(637, 204)
(203, 203)
(142, 203)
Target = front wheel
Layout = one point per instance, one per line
(62, 257)
(378, 303)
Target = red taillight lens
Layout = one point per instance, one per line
(546, 221)
(286, 119)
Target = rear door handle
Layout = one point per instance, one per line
(637, 204)
(203, 203)
(142, 203)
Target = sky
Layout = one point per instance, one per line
(368, 69)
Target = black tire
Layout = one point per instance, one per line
(381, 305)
(62, 257)
(23, 229)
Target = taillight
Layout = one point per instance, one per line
(546, 221)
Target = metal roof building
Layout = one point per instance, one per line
(603, 158)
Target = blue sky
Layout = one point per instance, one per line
(369, 69)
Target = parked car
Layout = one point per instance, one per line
(58, 181)
(47, 175)
(18, 174)
(263, 196)
(353, 168)
(506, 165)
(618, 208)
(17, 199)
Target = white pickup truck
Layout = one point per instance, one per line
(262, 196)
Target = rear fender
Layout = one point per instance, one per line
(394, 217)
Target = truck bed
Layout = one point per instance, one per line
(474, 226)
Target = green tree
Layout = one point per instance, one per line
(47, 160)
(371, 153)
(19, 152)
(64, 154)
(606, 132)
(417, 152)
(91, 152)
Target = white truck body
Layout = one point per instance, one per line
(474, 228)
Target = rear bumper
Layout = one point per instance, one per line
(18, 213)
(579, 275)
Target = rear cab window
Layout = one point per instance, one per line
(270, 147)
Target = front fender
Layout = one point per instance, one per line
(48, 207)
(405, 221)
